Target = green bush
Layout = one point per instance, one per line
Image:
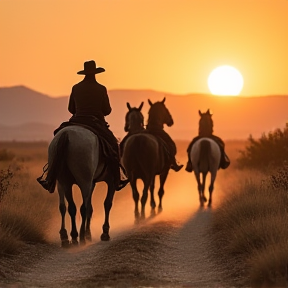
(266, 153)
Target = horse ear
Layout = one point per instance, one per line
(210, 113)
(199, 112)
(141, 105)
(149, 101)
(128, 106)
(163, 100)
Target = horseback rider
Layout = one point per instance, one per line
(169, 145)
(89, 104)
(157, 129)
(224, 160)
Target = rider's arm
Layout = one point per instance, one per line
(71, 105)
(106, 108)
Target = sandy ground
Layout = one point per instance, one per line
(169, 249)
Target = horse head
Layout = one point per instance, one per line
(159, 114)
(134, 119)
(205, 124)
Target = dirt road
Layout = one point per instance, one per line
(169, 249)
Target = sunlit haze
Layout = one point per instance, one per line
(164, 45)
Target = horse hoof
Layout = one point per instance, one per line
(105, 237)
(65, 243)
(74, 242)
(153, 212)
(88, 238)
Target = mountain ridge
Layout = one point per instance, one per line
(235, 117)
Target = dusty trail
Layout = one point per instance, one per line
(168, 250)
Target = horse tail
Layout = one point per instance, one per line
(205, 152)
(135, 158)
(57, 160)
(147, 144)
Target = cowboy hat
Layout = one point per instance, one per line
(90, 68)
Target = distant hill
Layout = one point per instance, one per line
(26, 114)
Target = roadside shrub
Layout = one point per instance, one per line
(5, 180)
(25, 212)
(5, 155)
(266, 153)
(251, 230)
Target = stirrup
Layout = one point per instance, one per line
(176, 167)
(122, 184)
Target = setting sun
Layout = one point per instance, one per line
(225, 81)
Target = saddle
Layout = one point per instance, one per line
(163, 146)
(94, 127)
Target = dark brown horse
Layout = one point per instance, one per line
(143, 155)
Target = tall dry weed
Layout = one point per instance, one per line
(251, 222)
(26, 209)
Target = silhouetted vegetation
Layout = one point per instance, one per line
(251, 231)
(24, 209)
(6, 155)
(266, 153)
(5, 178)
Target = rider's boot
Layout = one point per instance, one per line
(189, 166)
(175, 166)
(224, 162)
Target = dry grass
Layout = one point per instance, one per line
(25, 209)
(251, 230)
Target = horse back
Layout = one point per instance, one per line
(205, 155)
(80, 157)
(140, 155)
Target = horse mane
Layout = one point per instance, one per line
(205, 124)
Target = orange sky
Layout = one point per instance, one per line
(165, 45)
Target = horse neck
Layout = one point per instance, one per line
(136, 127)
(205, 131)
(205, 127)
(155, 125)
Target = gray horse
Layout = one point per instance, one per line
(74, 158)
(205, 155)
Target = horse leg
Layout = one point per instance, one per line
(135, 195)
(163, 178)
(203, 186)
(89, 212)
(62, 209)
(88, 222)
(107, 207)
(199, 186)
(72, 212)
(211, 188)
(144, 198)
(86, 212)
(152, 200)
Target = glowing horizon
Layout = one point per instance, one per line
(159, 45)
